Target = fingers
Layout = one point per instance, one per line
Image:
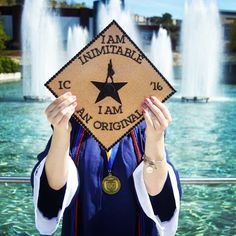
(162, 107)
(147, 117)
(64, 115)
(67, 101)
(57, 101)
(156, 123)
(150, 118)
(158, 114)
(61, 109)
(65, 119)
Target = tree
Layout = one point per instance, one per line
(166, 19)
(167, 23)
(7, 2)
(64, 4)
(53, 3)
(232, 37)
(7, 65)
(3, 36)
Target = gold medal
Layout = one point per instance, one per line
(111, 184)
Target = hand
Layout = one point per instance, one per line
(157, 118)
(60, 111)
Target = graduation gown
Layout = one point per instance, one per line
(87, 210)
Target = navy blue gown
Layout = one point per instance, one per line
(95, 213)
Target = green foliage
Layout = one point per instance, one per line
(53, 3)
(7, 65)
(232, 37)
(64, 4)
(7, 2)
(167, 23)
(3, 37)
(4, 2)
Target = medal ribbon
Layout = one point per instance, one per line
(111, 155)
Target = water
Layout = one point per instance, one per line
(201, 142)
(161, 53)
(41, 44)
(201, 48)
(206, 210)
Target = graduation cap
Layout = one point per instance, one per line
(111, 77)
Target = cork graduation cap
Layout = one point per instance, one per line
(111, 77)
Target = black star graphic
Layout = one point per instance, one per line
(109, 89)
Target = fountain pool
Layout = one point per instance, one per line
(201, 142)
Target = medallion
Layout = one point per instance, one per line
(111, 184)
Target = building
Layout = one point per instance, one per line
(227, 18)
(11, 16)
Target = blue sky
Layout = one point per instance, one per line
(158, 7)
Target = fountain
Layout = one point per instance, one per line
(41, 43)
(201, 50)
(161, 53)
(206, 139)
(44, 53)
(77, 38)
(113, 11)
(160, 50)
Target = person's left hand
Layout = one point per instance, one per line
(157, 117)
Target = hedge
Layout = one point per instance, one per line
(7, 65)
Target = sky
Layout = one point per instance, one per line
(159, 7)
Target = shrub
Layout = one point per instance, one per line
(7, 65)
(3, 36)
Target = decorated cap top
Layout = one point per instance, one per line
(111, 77)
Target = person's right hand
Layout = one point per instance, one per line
(60, 111)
